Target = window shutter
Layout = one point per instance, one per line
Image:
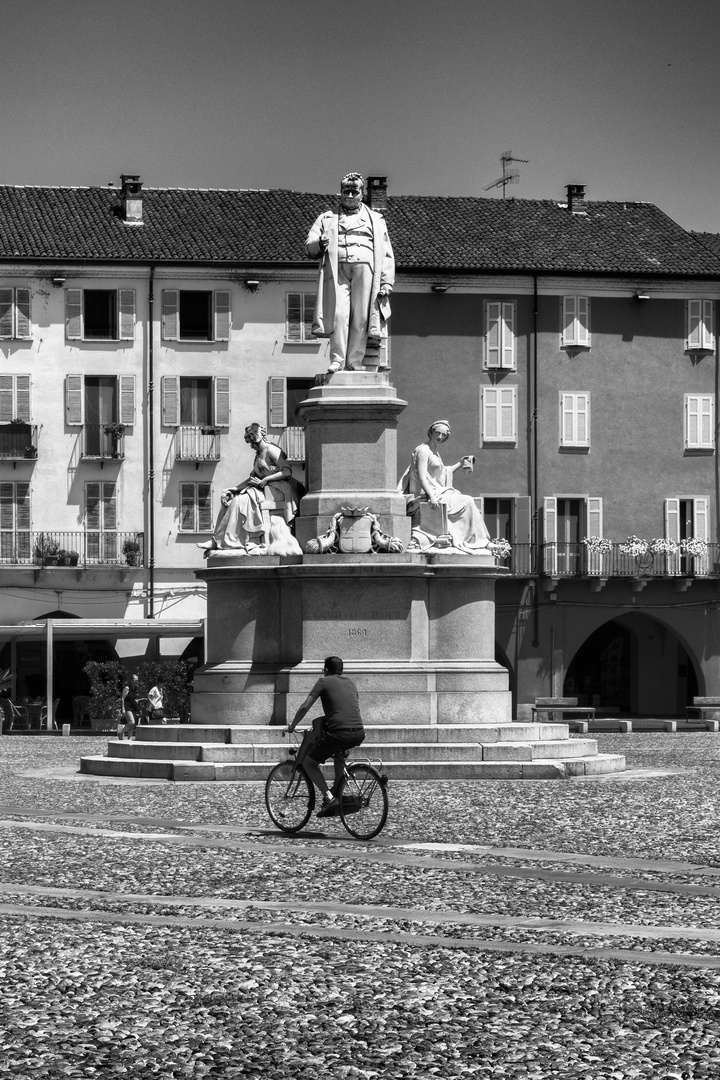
(22, 397)
(583, 321)
(127, 399)
(490, 413)
(187, 507)
(92, 505)
(221, 411)
(567, 420)
(594, 517)
(582, 428)
(7, 506)
(126, 307)
(507, 413)
(73, 314)
(22, 506)
(204, 508)
(523, 520)
(708, 328)
(707, 434)
(700, 519)
(222, 315)
(492, 335)
(170, 401)
(672, 519)
(170, 315)
(692, 419)
(6, 313)
(294, 317)
(7, 398)
(550, 533)
(277, 401)
(694, 310)
(22, 313)
(508, 335)
(74, 400)
(109, 507)
(569, 314)
(309, 300)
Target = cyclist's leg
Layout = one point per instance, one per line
(311, 736)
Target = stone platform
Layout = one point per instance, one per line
(408, 751)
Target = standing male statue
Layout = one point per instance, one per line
(357, 271)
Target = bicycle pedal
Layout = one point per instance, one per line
(292, 751)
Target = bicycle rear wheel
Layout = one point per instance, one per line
(363, 801)
(290, 800)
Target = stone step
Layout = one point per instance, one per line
(269, 752)
(405, 733)
(540, 769)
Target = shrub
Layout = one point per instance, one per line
(106, 682)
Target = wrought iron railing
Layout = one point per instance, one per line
(292, 441)
(103, 441)
(89, 548)
(196, 444)
(18, 441)
(575, 560)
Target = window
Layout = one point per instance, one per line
(508, 517)
(687, 519)
(299, 310)
(500, 335)
(575, 419)
(195, 315)
(699, 421)
(94, 403)
(14, 398)
(15, 522)
(100, 314)
(701, 325)
(576, 321)
(196, 507)
(15, 313)
(499, 414)
(284, 396)
(567, 520)
(101, 537)
(195, 401)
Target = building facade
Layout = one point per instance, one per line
(571, 344)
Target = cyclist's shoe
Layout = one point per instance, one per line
(329, 809)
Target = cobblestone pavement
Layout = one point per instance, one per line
(543, 929)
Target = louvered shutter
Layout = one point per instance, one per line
(222, 315)
(204, 507)
(694, 311)
(672, 532)
(6, 313)
(23, 522)
(594, 527)
(170, 315)
(492, 335)
(508, 335)
(701, 530)
(170, 401)
(708, 327)
(74, 400)
(109, 507)
(221, 394)
(567, 420)
(277, 401)
(126, 390)
(582, 413)
(187, 508)
(7, 398)
(490, 413)
(692, 420)
(550, 534)
(7, 506)
(582, 321)
(92, 506)
(522, 535)
(507, 414)
(22, 313)
(22, 398)
(73, 314)
(569, 314)
(707, 434)
(294, 317)
(308, 315)
(126, 307)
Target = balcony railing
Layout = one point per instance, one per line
(292, 441)
(102, 441)
(18, 441)
(82, 549)
(196, 444)
(574, 560)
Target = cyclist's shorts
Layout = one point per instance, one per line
(328, 745)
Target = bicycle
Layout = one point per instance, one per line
(362, 798)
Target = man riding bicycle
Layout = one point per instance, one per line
(339, 729)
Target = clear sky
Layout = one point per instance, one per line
(621, 95)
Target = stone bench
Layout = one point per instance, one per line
(706, 710)
(568, 710)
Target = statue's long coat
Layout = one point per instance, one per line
(383, 271)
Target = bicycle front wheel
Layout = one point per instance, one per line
(290, 800)
(363, 801)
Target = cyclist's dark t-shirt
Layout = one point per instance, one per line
(339, 698)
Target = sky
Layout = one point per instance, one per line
(620, 95)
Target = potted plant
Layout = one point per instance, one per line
(63, 557)
(46, 550)
(115, 429)
(18, 425)
(208, 429)
(131, 551)
(73, 558)
(30, 451)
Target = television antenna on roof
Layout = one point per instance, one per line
(509, 176)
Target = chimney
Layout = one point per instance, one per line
(376, 192)
(132, 207)
(575, 197)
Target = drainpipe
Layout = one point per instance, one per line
(534, 469)
(151, 448)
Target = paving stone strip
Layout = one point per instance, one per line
(654, 958)
(377, 855)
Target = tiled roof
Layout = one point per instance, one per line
(710, 240)
(428, 232)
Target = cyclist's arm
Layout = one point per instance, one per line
(304, 708)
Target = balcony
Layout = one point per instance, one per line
(79, 549)
(574, 560)
(102, 442)
(292, 441)
(18, 442)
(197, 444)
